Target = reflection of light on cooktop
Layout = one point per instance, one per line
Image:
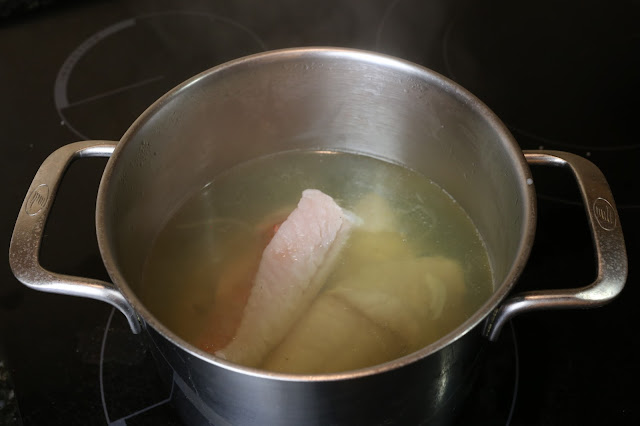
(114, 75)
(582, 101)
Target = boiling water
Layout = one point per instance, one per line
(199, 272)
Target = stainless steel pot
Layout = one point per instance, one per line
(329, 99)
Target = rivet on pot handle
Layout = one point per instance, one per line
(27, 234)
(608, 243)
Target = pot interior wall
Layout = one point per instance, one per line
(313, 100)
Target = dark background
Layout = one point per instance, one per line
(561, 75)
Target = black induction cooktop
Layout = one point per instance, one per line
(561, 75)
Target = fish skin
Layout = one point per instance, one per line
(292, 271)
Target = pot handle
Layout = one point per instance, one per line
(27, 235)
(608, 242)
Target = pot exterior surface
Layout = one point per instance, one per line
(318, 99)
(424, 392)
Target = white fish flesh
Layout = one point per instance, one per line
(292, 271)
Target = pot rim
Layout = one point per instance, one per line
(501, 290)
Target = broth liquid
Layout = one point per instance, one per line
(218, 235)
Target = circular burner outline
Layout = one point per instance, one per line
(61, 100)
(540, 139)
(516, 380)
(206, 412)
(102, 396)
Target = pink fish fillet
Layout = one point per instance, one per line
(293, 268)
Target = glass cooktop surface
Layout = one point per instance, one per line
(561, 76)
